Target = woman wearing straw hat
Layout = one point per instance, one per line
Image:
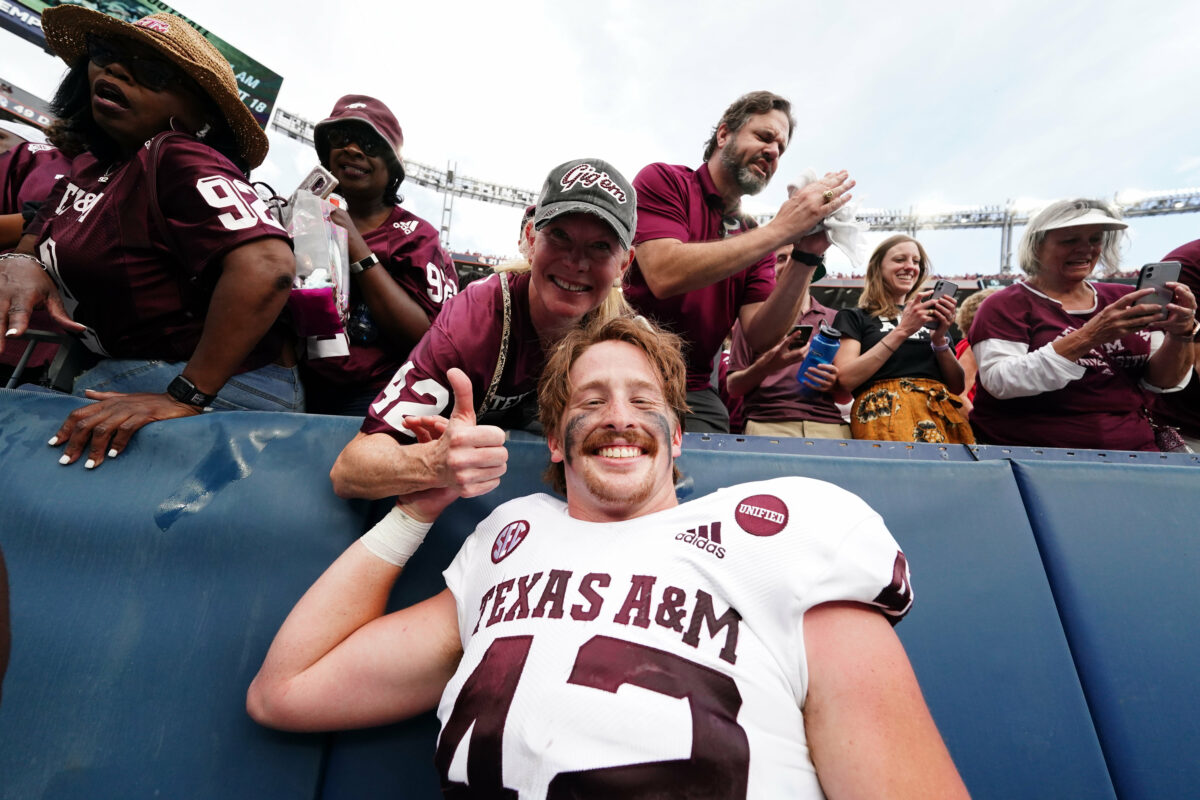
(154, 250)
(1063, 360)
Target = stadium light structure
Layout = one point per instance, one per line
(1011, 215)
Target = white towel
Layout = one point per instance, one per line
(841, 227)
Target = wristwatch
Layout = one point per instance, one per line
(358, 267)
(808, 259)
(185, 391)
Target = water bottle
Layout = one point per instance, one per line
(820, 351)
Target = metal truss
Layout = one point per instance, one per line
(1006, 217)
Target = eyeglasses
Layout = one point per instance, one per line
(368, 142)
(153, 73)
(729, 224)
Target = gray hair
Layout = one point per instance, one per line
(1054, 216)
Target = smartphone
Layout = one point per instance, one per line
(320, 182)
(941, 288)
(1155, 276)
(802, 339)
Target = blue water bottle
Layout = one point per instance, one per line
(820, 351)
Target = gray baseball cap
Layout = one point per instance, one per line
(589, 186)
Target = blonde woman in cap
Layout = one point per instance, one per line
(400, 275)
(440, 421)
(154, 250)
(1063, 360)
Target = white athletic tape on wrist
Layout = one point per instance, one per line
(396, 537)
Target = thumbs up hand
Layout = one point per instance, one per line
(466, 459)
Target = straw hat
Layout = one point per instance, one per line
(67, 27)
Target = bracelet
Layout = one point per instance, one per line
(34, 259)
(396, 537)
(943, 348)
(364, 264)
(888, 346)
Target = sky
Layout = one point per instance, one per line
(929, 105)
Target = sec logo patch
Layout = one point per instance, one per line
(762, 515)
(507, 540)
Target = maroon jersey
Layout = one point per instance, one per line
(676, 202)
(27, 174)
(1182, 408)
(118, 273)
(466, 335)
(409, 249)
(1102, 410)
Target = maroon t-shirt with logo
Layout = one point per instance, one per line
(1182, 408)
(117, 272)
(677, 202)
(28, 173)
(1101, 411)
(409, 249)
(466, 335)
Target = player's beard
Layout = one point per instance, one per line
(597, 484)
(748, 182)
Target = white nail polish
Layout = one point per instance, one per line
(53, 441)
(10, 332)
(65, 460)
(89, 464)
(112, 453)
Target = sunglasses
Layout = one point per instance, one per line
(153, 73)
(368, 142)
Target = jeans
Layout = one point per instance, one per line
(269, 388)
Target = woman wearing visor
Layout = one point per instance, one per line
(1065, 361)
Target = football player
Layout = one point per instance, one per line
(620, 643)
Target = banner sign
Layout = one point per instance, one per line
(258, 86)
(23, 106)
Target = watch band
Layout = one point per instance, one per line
(357, 267)
(185, 391)
(808, 259)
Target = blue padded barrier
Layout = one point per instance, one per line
(1123, 559)
(144, 594)
(984, 636)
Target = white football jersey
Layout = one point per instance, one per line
(662, 656)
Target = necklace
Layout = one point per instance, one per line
(107, 173)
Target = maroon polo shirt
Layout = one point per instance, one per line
(778, 398)
(677, 202)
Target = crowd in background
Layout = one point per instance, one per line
(132, 228)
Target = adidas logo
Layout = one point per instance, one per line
(705, 537)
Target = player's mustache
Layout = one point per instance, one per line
(633, 437)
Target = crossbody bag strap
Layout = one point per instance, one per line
(152, 179)
(503, 354)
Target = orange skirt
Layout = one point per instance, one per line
(909, 410)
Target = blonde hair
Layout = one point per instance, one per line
(875, 299)
(1062, 211)
(662, 350)
(966, 311)
(614, 305)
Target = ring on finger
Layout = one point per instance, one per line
(828, 195)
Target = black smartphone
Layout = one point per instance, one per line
(1156, 276)
(941, 288)
(802, 339)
